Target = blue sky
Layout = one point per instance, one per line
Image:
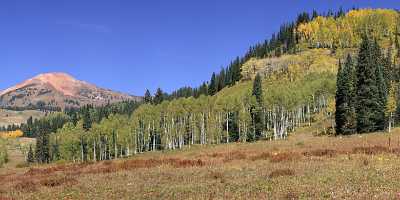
(131, 45)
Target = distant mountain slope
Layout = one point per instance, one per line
(52, 90)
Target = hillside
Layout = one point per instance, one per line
(57, 90)
(9, 117)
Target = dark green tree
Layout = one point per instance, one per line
(30, 157)
(257, 89)
(370, 88)
(379, 62)
(212, 88)
(345, 115)
(147, 97)
(158, 96)
(87, 121)
(221, 80)
(42, 143)
(256, 110)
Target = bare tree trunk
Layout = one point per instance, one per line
(227, 127)
(94, 151)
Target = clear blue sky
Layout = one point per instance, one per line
(132, 45)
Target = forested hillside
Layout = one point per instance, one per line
(284, 83)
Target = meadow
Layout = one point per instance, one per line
(304, 166)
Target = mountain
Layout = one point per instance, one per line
(58, 90)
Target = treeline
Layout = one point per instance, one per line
(40, 105)
(365, 100)
(89, 114)
(10, 127)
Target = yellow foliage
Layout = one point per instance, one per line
(291, 67)
(346, 31)
(391, 101)
(11, 134)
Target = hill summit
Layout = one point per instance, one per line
(57, 90)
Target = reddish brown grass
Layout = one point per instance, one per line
(261, 156)
(110, 166)
(284, 156)
(26, 186)
(235, 155)
(58, 181)
(4, 198)
(321, 153)
(372, 150)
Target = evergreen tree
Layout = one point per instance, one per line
(257, 114)
(30, 157)
(212, 88)
(158, 96)
(369, 107)
(87, 122)
(42, 143)
(147, 97)
(257, 89)
(29, 124)
(221, 80)
(378, 62)
(397, 43)
(340, 100)
(345, 115)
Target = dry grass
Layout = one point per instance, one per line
(281, 172)
(352, 167)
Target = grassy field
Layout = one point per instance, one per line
(302, 167)
(8, 117)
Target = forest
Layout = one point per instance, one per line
(300, 76)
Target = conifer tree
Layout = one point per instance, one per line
(378, 63)
(257, 109)
(221, 80)
(42, 143)
(257, 89)
(30, 157)
(87, 122)
(370, 82)
(158, 96)
(340, 100)
(212, 88)
(147, 97)
(345, 115)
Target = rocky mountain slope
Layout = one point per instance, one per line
(57, 90)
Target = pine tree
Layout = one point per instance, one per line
(158, 96)
(257, 89)
(370, 86)
(345, 115)
(388, 69)
(340, 101)
(30, 157)
(256, 110)
(42, 143)
(212, 88)
(87, 122)
(147, 97)
(397, 43)
(221, 80)
(378, 62)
